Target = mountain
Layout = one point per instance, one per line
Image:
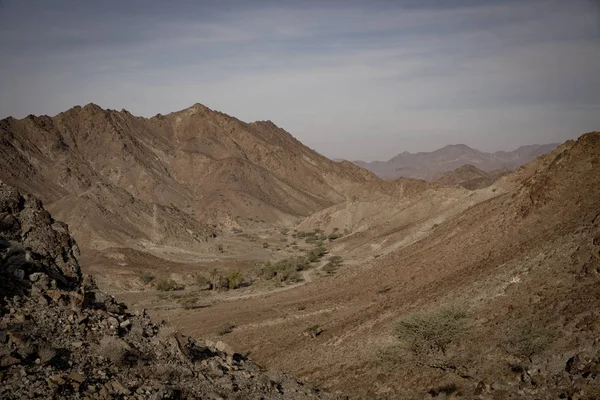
(172, 179)
(510, 273)
(470, 177)
(426, 165)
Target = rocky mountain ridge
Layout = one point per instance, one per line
(170, 179)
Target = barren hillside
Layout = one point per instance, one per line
(523, 265)
(121, 179)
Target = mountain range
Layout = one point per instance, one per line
(480, 282)
(426, 165)
(173, 179)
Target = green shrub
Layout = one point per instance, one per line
(234, 279)
(316, 254)
(285, 270)
(166, 285)
(146, 278)
(428, 336)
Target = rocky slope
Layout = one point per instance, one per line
(60, 337)
(524, 265)
(426, 165)
(470, 177)
(121, 179)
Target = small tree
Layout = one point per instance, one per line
(234, 279)
(429, 336)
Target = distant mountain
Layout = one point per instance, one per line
(427, 165)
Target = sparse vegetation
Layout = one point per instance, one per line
(526, 340)
(166, 285)
(146, 278)
(112, 349)
(225, 329)
(429, 338)
(330, 268)
(313, 331)
(202, 281)
(285, 270)
(46, 354)
(234, 279)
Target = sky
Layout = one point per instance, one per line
(351, 79)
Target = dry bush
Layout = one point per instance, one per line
(166, 285)
(432, 338)
(225, 329)
(46, 354)
(27, 349)
(166, 331)
(202, 281)
(146, 278)
(526, 340)
(313, 331)
(112, 349)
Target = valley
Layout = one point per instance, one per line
(236, 232)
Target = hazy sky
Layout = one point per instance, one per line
(352, 79)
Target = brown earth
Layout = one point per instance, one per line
(120, 179)
(530, 256)
(521, 256)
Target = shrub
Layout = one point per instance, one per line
(333, 236)
(526, 340)
(225, 329)
(313, 331)
(203, 281)
(265, 245)
(285, 270)
(146, 278)
(310, 239)
(428, 336)
(336, 260)
(113, 349)
(166, 285)
(46, 354)
(330, 268)
(234, 279)
(316, 254)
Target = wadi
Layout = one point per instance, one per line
(194, 255)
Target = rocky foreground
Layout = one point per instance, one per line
(60, 337)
